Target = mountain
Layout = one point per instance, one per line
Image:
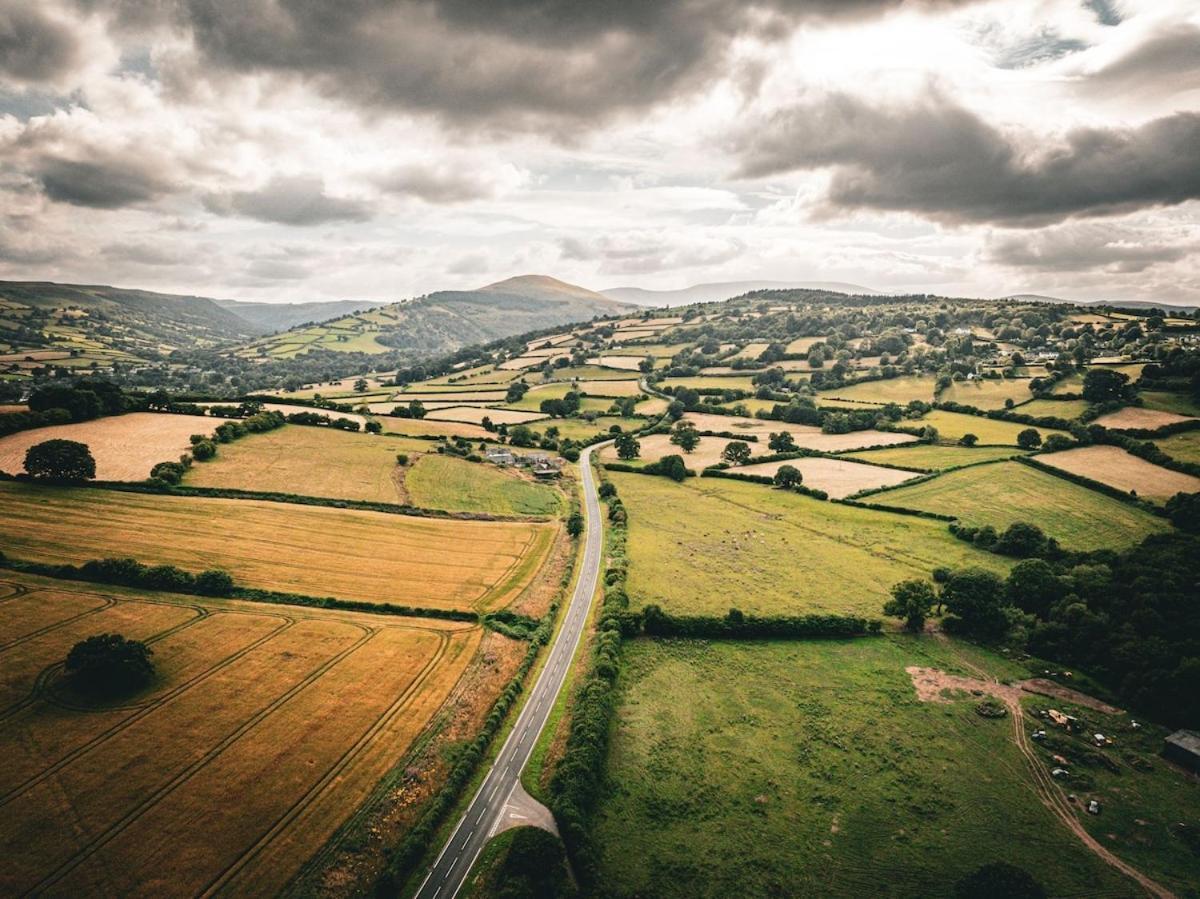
(723, 290)
(271, 317)
(444, 321)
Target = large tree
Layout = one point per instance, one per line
(109, 665)
(1103, 385)
(685, 436)
(628, 447)
(60, 460)
(736, 452)
(911, 600)
(975, 600)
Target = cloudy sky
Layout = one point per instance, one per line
(304, 149)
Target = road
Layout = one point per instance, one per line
(450, 870)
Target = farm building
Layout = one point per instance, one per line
(1183, 748)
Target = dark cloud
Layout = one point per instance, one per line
(1106, 11)
(945, 163)
(1087, 247)
(1167, 62)
(105, 181)
(35, 48)
(437, 184)
(510, 64)
(290, 201)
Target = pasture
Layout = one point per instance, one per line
(582, 429)
(456, 485)
(125, 447)
(812, 768)
(426, 427)
(837, 477)
(1163, 401)
(951, 426)
(311, 461)
(314, 550)
(927, 457)
(1185, 447)
(259, 703)
(1004, 492)
(987, 393)
(1133, 417)
(1052, 408)
(1113, 466)
(475, 415)
(707, 544)
(712, 382)
(890, 390)
(806, 436)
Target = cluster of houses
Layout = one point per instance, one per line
(540, 465)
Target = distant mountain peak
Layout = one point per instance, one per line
(543, 287)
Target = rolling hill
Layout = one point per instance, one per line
(723, 290)
(272, 317)
(444, 321)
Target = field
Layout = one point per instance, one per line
(718, 382)
(1113, 466)
(312, 462)
(125, 447)
(1163, 401)
(1185, 447)
(812, 768)
(837, 477)
(456, 485)
(475, 415)
(999, 494)
(624, 363)
(936, 458)
(319, 551)
(892, 390)
(708, 544)
(290, 409)
(259, 703)
(655, 446)
(987, 393)
(1067, 409)
(1131, 417)
(806, 436)
(953, 425)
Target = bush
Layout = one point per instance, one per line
(401, 458)
(670, 466)
(214, 582)
(60, 460)
(575, 524)
(109, 665)
(1184, 511)
(203, 450)
(1022, 540)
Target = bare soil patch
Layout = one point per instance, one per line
(1132, 417)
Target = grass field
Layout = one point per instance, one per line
(1162, 401)
(805, 435)
(1113, 466)
(456, 485)
(999, 494)
(1067, 409)
(953, 425)
(426, 427)
(319, 551)
(837, 477)
(310, 461)
(655, 446)
(719, 382)
(708, 544)
(581, 429)
(987, 393)
(892, 390)
(934, 457)
(1132, 417)
(125, 447)
(1185, 447)
(258, 703)
(475, 415)
(811, 768)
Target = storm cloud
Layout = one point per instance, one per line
(105, 181)
(944, 162)
(1080, 247)
(300, 200)
(35, 47)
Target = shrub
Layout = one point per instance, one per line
(1184, 511)
(109, 665)
(575, 524)
(60, 460)
(401, 458)
(203, 450)
(1030, 438)
(214, 582)
(1022, 540)
(168, 472)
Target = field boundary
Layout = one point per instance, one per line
(1084, 481)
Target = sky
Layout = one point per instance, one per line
(293, 150)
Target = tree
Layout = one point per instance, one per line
(685, 436)
(1021, 539)
(575, 524)
(1184, 511)
(214, 582)
(1033, 587)
(374, 427)
(109, 665)
(607, 490)
(671, 466)
(1029, 439)
(416, 409)
(401, 458)
(999, 880)
(736, 452)
(968, 440)
(788, 476)
(360, 386)
(521, 436)
(911, 600)
(60, 460)
(974, 597)
(783, 442)
(1056, 442)
(203, 450)
(628, 447)
(1103, 385)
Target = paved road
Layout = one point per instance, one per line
(483, 814)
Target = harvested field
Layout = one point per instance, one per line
(345, 385)
(125, 447)
(480, 374)
(1132, 417)
(389, 407)
(526, 362)
(751, 351)
(425, 427)
(624, 363)
(311, 461)
(446, 396)
(9, 408)
(951, 426)
(655, 446)
(1113, 466)
(610, 388)
(839, 478)
(707, 544)
(475, 415)
(890, 390)
(318, 551)
(1004, 492)
(288, 409)
(807, 436)
(456, 485)
(739, 381)
(987, 393)
(803, 344)
(250, 701)
(928, 457)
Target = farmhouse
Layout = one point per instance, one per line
(1183, 748)
(500, 456)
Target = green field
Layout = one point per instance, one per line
(456, 485)
(581, 429)
(706, 382)
(1067, 409)
(934, 458)
(708, 544)
(812, 768)
(310, 461)
(953, 425)
(891, 390)
(999, 494)
(1162, 401)
(1185, 447)
(987, 393)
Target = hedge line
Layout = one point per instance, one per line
(738, 626)
(899, 510)
(1148, 451)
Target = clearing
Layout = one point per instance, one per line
(313, 550)
(1113, 466)
(125, 447)
(456, 485)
